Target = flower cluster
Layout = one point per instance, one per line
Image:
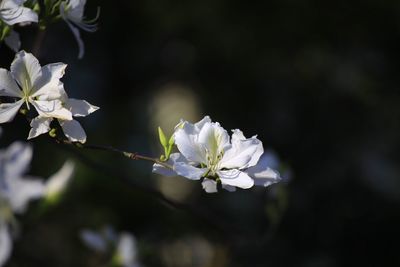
(207, 152)
(13, 12)
(72, 13)
(40, 87)
(17, 190)
(121, 246)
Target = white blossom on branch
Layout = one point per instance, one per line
(72, 11)
(40, 87)
(207, 152)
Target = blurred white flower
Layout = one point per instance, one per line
(207, 152)
(123, 246)
(35, 85)
(58, 182)
(72, 12)
(127, 250)
(18, 189)
(13, 12)
(94, 240)
(5, 243)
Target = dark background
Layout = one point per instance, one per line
(318, 81)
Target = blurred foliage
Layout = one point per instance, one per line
(317, 81)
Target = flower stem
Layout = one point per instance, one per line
(38, 42)
(133, 156)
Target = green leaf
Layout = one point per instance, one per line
(5, 32)
(163, 139)
(171, 140)
(168, 152)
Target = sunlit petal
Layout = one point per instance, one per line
(9, 110)
(73, 131)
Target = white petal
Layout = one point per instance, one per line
(80, 108)
(48, 86)
(17, 159)
(189, 171)
(213, 138)
(239, 158)
(238, 136)
(192, 128)
(13, 41)
(229, 188)
(40, 125)
(13, 12)
(25, 68)
(74, 10)
(263, 175)
(73, 131)
(9, 110)
(209, 185)
(270, 159)
(188, 146)
(127, 249)
(59, 181)
(235, 178)
(52, 108)
(8, 87)
(21, 191)
(161, 170)
(174, 157)
(200, 124)
(77, 35)
(94, 240)
(5, 244)
(243, 153)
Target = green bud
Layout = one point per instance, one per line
(53, 132)
(168, 152)
(171, 141)
(23, 111)
(163, 139)
(5, 32)
(163, 158)
(36, 8)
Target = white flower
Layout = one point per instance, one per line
(207, 152)
(5, 243)
(35, 85)
(13, 12)
(71, 128)
(127, 250)
(58, 182)
(106, 241)
(42, 88)
(16, 191)
(72, 12)
(96, 241)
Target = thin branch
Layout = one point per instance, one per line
(38, 42)
(131, 155)
(200, 213)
